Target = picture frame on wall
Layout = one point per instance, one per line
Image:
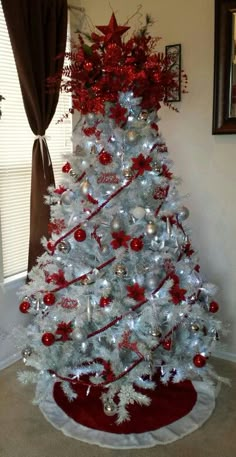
(173, 55)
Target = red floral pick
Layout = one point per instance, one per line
(188, 251)
(59, 190)
(141, 164)
(64, 330)
(136, 292)
(177, 294)
(57, 278)
(120, 239)
(166, 172)
(119, 114)
(56, 226)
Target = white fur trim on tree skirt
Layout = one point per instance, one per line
(201, 411)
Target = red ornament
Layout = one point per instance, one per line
(105, 158)
(213, 307)
(24, 307)
(167, 345)
(66, 168)
(50, 246)
(199, 360)
(104, 301)
(49, 299)
(80, 235)
(136, 244)
(48, 339)
(112, 31)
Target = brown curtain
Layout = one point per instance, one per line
(37, 30)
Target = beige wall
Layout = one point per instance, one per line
(206, 163)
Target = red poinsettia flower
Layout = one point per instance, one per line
(60, 190)
(141, 164)
(120, 239)
(118, 113)
(64, 329)
(136, 292)
(177, 294)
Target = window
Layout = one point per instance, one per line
(16, 141)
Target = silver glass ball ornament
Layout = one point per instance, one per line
(143, 116)
(156, 166)
(155, 332)
(85, 187)
(73, 174)
(131, 136)
(64, 246)
(78, 334)
(116, 224)
(138, 212)
(67, 197)
(183, 213)
(120, 270)
(26, 353)
(110, 408)
(127, 173)
(151, 228)
(151, 281)
(195, 327)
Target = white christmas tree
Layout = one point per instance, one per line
(117, 296)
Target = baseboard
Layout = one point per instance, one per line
(9, 361)
(230, 356)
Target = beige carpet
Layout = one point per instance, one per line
(25, 433)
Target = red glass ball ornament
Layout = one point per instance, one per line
(24, 307)
(66, 168)
(48, 339)
(104, 301)
(213, 307)
(167, 345)
(136, 244)
(49, 299)
(199, 360)
(105, 158)
(80, 235)
(50, 246)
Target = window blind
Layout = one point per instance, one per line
(16, 141)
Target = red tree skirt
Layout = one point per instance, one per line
(168, 404)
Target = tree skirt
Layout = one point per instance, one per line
(176, 411)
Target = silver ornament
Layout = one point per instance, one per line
(151, 228)
(73, 174)
(183, 213)
(120, 270)
(90, 118)
(127, 173)
(67, 197)
(156, 166)
(168, 227)
(138, 212)
(79, 334)
(131, 136)
(64, 246)
(110, 408)
(85, 187)
(151, 281)
(143, 116)
(195, 327)
(117, 224)
(93, 149)
(156, 332)
(26, 353)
